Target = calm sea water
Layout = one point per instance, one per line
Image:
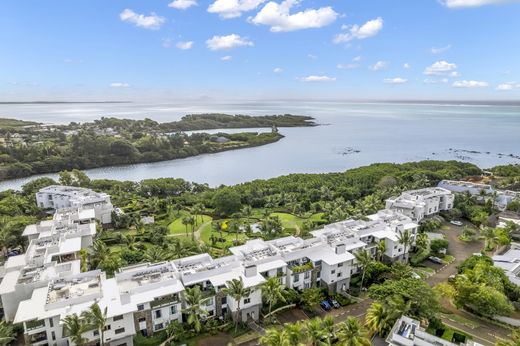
(351, 135)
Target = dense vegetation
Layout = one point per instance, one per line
(29, 148)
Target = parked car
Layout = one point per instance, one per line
(415, 275)
(334, 303)
(12, 253)
(456, 223)
(325, 305)
(436, 260)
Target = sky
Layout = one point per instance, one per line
(165, 50)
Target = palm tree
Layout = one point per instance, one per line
(236, 289)
(352, 333)
(327, 323)
(156, 254)
(296, 333)
(381, 248)
(405, 238)
(198, 209)
(490, 237)
(187, 220)
(363, 259)
(75, 327)
(379, 319)
(7, 333)
(96, 318)
(275, 337)
(273, 290)
(422, 241)
(194, 301)
(317, 335)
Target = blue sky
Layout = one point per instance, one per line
(255, 49)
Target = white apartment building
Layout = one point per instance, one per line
(60, 197)
(509, 262)
(418, 204)
(502, 197)
(408, 332)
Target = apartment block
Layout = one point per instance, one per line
(62, 197)
(419, 204)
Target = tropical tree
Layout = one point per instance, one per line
(310, 297)
(74, 328)
(96, 319)
(380, 249)
(352, 333)
(405, 238)
(275, 337)
(273, 290)
(187, 220)
(7, 333)
(296, 333)
(363, 259)
(194, 301)
(316, 333)
(381, 317)
(236, 290)
(154, 254)
(422, 241)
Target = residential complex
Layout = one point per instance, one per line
(418, 204)
(510, 263)
(60, 197)
(145, 298)
(501, 197)
(408, 332)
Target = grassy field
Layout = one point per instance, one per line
(176, 227)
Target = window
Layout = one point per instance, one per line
(158, 313)
(51, 322)
(339, 275)
(340, 265)
(307, 285)
(296, 277)
(140, 307)
(210, 313)
(247, 300)
(158, 326)
(173, 309)
(307, 275)
(142, 319)
(223, 300)
(118, 318)
(53, 335)
(318, 274)
(96, 332)
(119, 330)
(333, 271)
(317, 263)
(108, 327)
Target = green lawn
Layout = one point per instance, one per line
(176, 227)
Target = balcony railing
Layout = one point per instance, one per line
(34, 324)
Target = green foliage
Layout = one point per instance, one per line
(226, 202)
(311, 297)
(437, 245)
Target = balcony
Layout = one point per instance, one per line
(34, 324)
(163, 301)
(302, 267)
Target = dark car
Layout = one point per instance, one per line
(334, 303)
(325, 305)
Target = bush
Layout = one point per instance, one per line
(437, 245)
(419, 257)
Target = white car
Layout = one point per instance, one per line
(456, 223)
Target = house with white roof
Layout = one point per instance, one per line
(510, 263)
(418, 204)
(61, 197)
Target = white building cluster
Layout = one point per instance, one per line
(145, 298)
(418, 204)
(61, 197)
(502, 197)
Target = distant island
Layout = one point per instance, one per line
(28, 148)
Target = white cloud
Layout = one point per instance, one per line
(473, 3)
(72, 61)
(233, 8)
(227, 42)
(184, 45)
(406, 65)
(440, 50)
(314, 78)
(167, 42)
(378, 66)
(396, 80)
(312, 56)
(182, 4)
(441, 68)
(356, 32)
(152, 22)
(357, 58)
(226, 58)
(469, 84)
(436, 81)
(347, 66)
(119, 85)
(278, 70)
(508, 86)
(278, 16)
